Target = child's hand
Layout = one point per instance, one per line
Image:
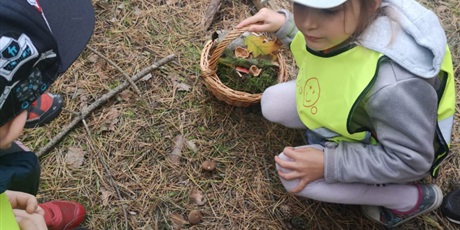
(28, 221)
(26, 211)
(307, 166)
(265, 20)
(24, 201)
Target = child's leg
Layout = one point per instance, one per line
(401, 197)
(20, 171)
(279, 105)
(27, 173)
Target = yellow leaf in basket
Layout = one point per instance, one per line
(260, 45)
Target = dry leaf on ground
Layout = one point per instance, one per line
(196, 197)
(176, 152)
(75, 157)
(180, 86)
(178, 219)
(105, 196)
(192, 146)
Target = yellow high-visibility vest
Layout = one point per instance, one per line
(329, 88)
(7, 219)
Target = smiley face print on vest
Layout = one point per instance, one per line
(311, 93)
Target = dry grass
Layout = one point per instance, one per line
(126, 164)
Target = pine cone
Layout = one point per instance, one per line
(285, 211)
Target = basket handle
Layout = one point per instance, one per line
(217, 53)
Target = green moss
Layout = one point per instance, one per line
(246, 82)
(229, 76)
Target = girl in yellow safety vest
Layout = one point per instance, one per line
(375, 92)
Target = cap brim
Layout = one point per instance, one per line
(72, 24)
(320, 4)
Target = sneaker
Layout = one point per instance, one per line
(450, 207)
(63, 215)
(430, 198)
(42, 111)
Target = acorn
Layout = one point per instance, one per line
(208, 166)
(194, 217)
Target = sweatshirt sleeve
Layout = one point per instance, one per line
(287, 32)
(403, 113)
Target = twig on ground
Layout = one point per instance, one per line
(71, 111)
(112, 181)
(103, 99)
(210, 13)
(138, 91)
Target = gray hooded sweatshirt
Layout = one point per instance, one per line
(401, 108)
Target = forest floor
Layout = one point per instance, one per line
(117, 161)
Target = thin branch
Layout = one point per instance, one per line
(103, 99)
(112, 181)
(138, 91)
(210, 13)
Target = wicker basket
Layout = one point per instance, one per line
(208, 63)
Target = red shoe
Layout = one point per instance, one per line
(63, 215)
(42, 111)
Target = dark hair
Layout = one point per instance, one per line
(367, 15)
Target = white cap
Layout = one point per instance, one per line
(321, 4)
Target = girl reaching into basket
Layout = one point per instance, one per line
(375, 92)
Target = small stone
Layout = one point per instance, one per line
(208, 166)
(194, 217)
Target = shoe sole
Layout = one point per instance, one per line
(453, 221)
(45, 119)
(435, 205)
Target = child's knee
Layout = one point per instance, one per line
(270, 105)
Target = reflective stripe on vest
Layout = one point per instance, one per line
(7, 220)
(446, 110)
(326, 95)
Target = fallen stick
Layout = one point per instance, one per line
(210, 13)
(103, 99)
(138, 91)
(107, 170)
